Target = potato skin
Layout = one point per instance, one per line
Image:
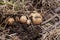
(10, 21)
(36, 18)
(23, 19)
(28, 22)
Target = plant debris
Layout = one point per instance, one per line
(29, 19)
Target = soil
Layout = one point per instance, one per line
(48, 29)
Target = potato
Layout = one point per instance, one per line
(10, 21)
(28, 21)
(36, 18)
(23, 19)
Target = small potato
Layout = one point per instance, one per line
(36, 18)
(23, 19)
(10, 21)
(28, 21)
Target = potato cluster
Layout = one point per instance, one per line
(36, 18)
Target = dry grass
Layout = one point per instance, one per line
(49, 10)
